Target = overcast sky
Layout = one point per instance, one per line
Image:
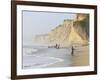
(42, 22)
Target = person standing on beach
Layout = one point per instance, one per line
(72, 53)
(56, 46)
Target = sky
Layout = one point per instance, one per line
(36, 23)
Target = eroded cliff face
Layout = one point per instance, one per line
(67, 34)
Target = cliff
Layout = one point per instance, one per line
(70, 32)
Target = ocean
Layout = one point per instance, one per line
(42, 56)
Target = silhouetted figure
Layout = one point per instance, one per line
(56, 46)
(72, 53)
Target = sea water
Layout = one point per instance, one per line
(42, 56)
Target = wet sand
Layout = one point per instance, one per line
(80, 58)
(52, 57)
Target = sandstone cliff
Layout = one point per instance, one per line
(70, 32)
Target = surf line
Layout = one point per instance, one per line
(47, 64)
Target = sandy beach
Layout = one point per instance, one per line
(81, 56)
(52, 57)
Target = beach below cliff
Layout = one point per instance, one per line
(80, 58)
(44, 57)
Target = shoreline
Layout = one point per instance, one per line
(80, 57)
